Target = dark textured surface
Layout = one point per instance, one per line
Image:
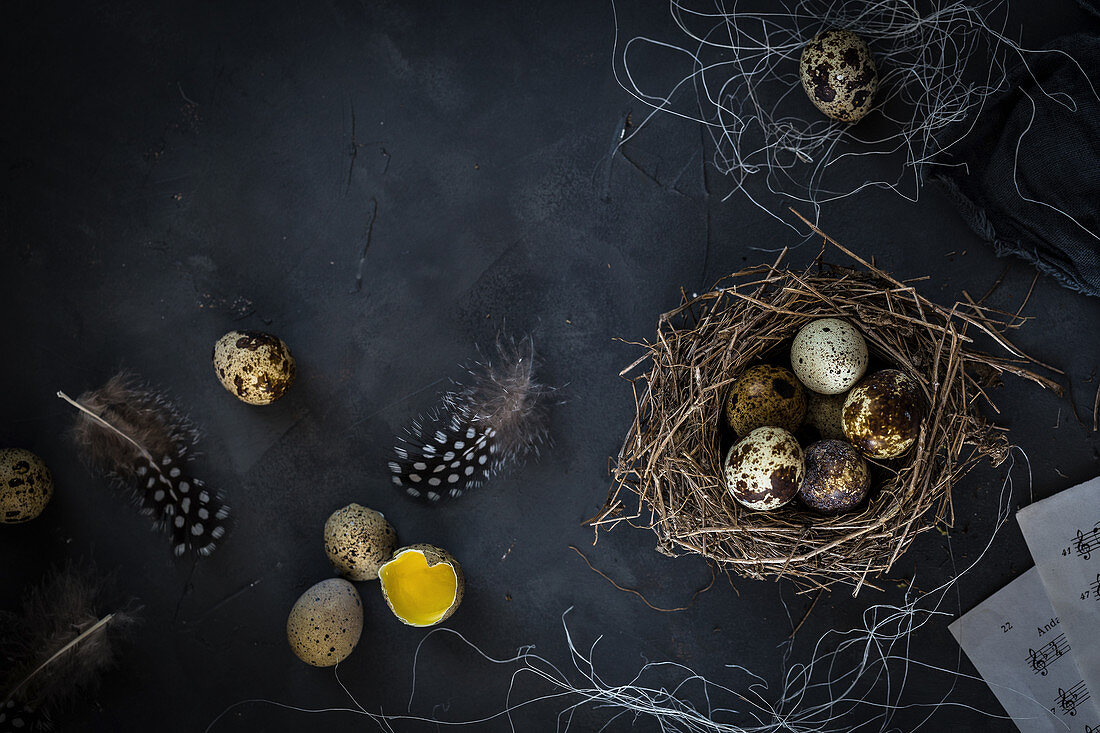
(383, 186)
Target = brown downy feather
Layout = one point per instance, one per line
(56, 649)
(479, 429)
(142, 442)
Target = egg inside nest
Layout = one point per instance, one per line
(839, 75)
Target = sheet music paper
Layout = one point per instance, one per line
(1063, 534)
(1019, 647)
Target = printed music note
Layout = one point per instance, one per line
(1052, 651)
(1068, 700)
(1085, 542)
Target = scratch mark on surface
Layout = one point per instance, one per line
(366, 244)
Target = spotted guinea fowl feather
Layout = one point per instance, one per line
(478, 430)
(144, 444)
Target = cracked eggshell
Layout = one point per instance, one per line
(359, 541)
(839, 75)
(829, 355)
(26, 486)
(766, 396)
(416, 590)
(837, 478)
(764, 470)
(255, 366)
(325, 623)
(883, 413)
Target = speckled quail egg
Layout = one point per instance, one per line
(829, 355)
(422, 584)
(763, 396)
(26, 486)
(325, 623)
(883, 413)
(839, 74)
(257, 367)
(763, 471)
(823, 413)
(359, 541)
(837, 478)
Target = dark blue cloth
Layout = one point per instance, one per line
(1042, 146)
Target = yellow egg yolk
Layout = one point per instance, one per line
(417, 593)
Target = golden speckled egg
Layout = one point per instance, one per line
(829, 355)
(823, 413)
(26, 486)
(255, 366)
(883, 413)
(837, 478)
(422, 584)
(764, 470)
(763, 396)
(359, 541)
(839, 74)
(325, 623)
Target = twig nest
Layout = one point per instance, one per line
(358, 541)
(422, 584)
(674, 463)
(26, 486)
(882, 414)
(325, 623)
(766, 395)
(829, 355)
(823, 414)
(255, 366)
(764, 470)
(837, 478)
(839, 74)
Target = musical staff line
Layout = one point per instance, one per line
(1068, 700)
(1085, 542)
(1039, 659)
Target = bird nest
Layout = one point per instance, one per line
(673, 453)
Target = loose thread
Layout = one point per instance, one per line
(603, 575)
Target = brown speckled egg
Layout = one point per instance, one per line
(823, 413)
(766, 395)
(325, 623)
(837, 478)
(882, 415)
(839, 74)
(829, 355)
(255, 366)
(26, 486)
(764, 470)
(359, 541)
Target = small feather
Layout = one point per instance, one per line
(144, 444)
(64, 639)
(478, 430)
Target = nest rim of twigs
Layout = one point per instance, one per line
(671, 462)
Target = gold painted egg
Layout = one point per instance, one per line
(765, 469)
(829, 355)
(325, 623)
(839, 75)
(837, 478)
(255, 366)
(358, 541)
(766, 396)
(26, 486)
(883, 413)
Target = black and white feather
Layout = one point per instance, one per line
(55, 651)
(478, 430)
(144, 444)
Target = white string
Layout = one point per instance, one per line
(854, 680)
(939, 61)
